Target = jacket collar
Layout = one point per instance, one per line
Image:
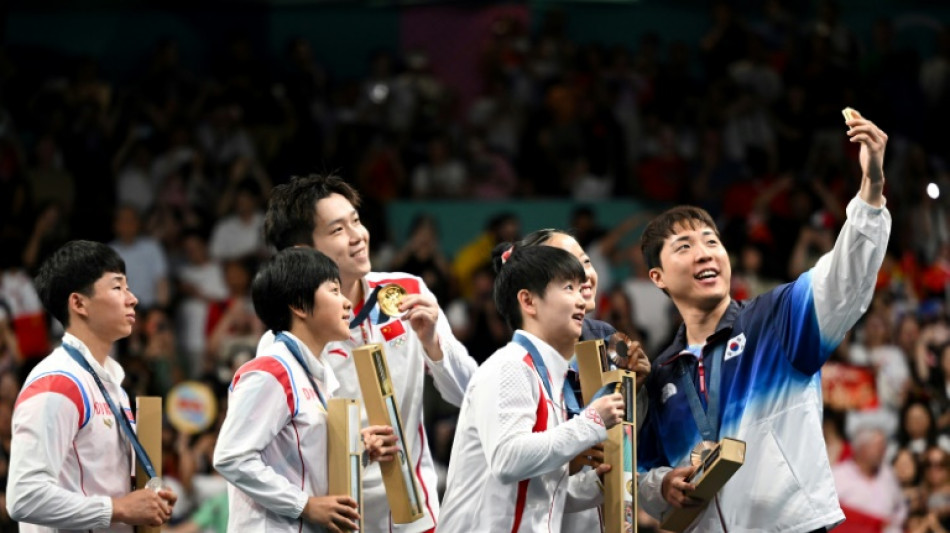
(111, 371)
(723, 329)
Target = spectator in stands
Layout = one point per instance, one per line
(909, 474)
(868, 490)
(492, 176)
(918, 431)
(892, 374)
(223, 136)
(749, 280)
(441, 175)
(200, 284)
(933, 334)
(50, 182)
(131, 164)
(503, 227)
(941, 392)
(233, 323)
(241, 233)
(24, 322)
(906, 332)
(50, 231)
(832, 429)
(936, 464)
(475, 320)
(144, 258)
(152, 357)
(422, 256)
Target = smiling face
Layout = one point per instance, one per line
(558, 314)
(571, 246)
(694, 267)
(330, 319)
(339, 233)
(110, 310)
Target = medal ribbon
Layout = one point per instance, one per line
(367, 308)
(570, 400)
(707, 421)
(119, 416)
(295, 351)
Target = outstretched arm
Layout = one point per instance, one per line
(873, 141)
(841, 284)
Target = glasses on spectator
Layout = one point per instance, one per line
(940, 463)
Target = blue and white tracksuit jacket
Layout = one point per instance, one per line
(770, 391)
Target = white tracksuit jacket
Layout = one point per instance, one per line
(408, 364)
(272, 448)
(68, 456)
(513, 443)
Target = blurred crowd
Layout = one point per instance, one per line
(173, 168)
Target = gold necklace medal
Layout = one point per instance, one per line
(389, 298)
(700, 451)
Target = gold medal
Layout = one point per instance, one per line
(700, 451)
(389, 298)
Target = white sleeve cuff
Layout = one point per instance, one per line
(445, 347)
(104, 518)
(859, 202)
(301, 503)
(586, 492)
(650, 492)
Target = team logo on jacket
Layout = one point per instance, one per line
(668, 390)
(735, 346)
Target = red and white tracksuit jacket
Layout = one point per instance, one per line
(513, 443)
(68, 455)
(272, 448)
(408, 364)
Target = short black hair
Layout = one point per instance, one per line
(291, 210)
(664, 225)
(288, 280)
(74, 267)
(531, 268)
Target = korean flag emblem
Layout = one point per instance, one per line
(735, 346)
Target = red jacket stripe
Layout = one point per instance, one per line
(59, 384)
(274, 367)
(540, 424)
(410, 284)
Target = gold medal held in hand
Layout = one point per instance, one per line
(389, 298)
(700, 451)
